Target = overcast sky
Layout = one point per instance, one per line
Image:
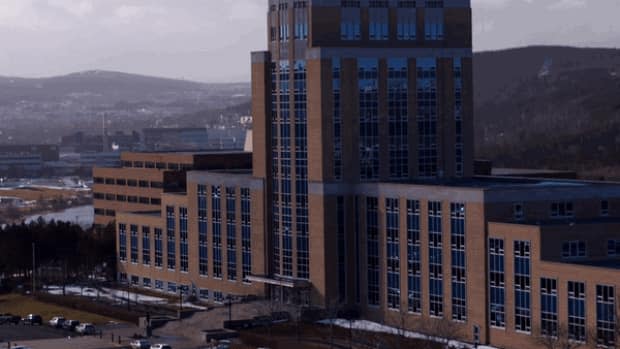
(210, 40)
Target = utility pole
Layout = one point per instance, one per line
(34, 269)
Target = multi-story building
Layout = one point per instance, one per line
(138, 183)
(362, 192)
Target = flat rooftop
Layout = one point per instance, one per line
(604, 263)
(494, 182)
(190, 152)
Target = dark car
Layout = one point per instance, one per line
(33, 319)
(8, 318)
(70, 325)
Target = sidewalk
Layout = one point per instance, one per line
(70, 343)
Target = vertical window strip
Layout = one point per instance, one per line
(435, 247)
(372, 242)
(414, 263)
(522, 286)
(368, 119)
(497, 286)
(459, 266)
(427, 100)
(398, 117)
(231, 235)
(392, 229)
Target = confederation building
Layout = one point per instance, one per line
(360, 191)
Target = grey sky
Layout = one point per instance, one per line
(210, 40)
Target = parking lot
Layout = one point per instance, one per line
(25, 332)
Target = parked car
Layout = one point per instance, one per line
(161, 346)
(70, 325)
(86, 329)
(8, 318)
(33, 319)
(57, 321)
(140, 344)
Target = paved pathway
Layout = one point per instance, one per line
(69, 343)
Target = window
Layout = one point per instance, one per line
(110, 181)
(562, 210)
(398, 117)
(246, 233)
(517, 211)
(146, 282)
(170, 232)
(577, 311)
(183, 237)
(459, 277)
(132, 183)
(459, 143)
(549, 307)
(157, 185)
(203, 262)
(392, 252)
(604, 208)
(435, 259)
(216, 213)
(301, 171)
(149, 164)
(434, 21)
(378, 19)
(146, 246)
(158, 248)
(372, 242)
(606, 315)
(342, 249)
(172, 287)
(573, 249)
(138, 164)
(522, 286)
(283, 14)
(121, 182)
(414, 267)
(406, 26)
(122, 242)
(203, 294)
(231, 234)
(350, 20)
(135, 280)
(497, 288)
(159, 285)
(427, 117)
(337, 118)
(98, 180)
(218, 297)
(143, 184)
(613, 248)
(369, 119)
(301, 20)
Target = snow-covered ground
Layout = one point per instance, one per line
(364, 325)
(115, 295)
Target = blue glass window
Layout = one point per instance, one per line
(435, 258)
(159, 247)
(497, 286)
(392, 211)
(522, 285)
(203, 262)
(459, 270)
(183, 240)
(231, 234)
(146, 246)
(170, 232)
(372, 242)
(369, 119)
(414, 265)
(122, 242)
(216, 217)
(246, 233)
(398, 117)
(427, 117)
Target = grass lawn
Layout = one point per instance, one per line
(23, 305)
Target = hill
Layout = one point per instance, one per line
(105, 86)
(549, 107)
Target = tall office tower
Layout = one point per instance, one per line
(351, 94)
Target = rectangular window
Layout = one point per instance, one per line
(284, 28)
(135, 280)
(435, 247)
(246, 233)
(172, 287)
(159, 285)
(146, 282)
(414, 263)
(604, 208)
(183, 240)
(459, 143)
(574, 249)
(577, 311)
(613, 248)
(392, 229)
(146, 245)
(216, 213)
(171, 239)
(203, 263)
(301, 170)
(372, 242)
(337, 118)
(427, 117)
(562, 210)
(369, 119)
(398, 117)
(406, 26)
(350, 27)
(434, 21)
(301, 20)
(606, 316)
(548, 307)
(159, 246)
(459, 269)
(122, 242)
(133, 231)
(522, 286)
(497, 288)
(231, 234)
(378, 20)
(342, 250)
(204, 294)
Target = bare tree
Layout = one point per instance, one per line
(442, 331)
(561, 339)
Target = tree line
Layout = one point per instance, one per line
(62, 251)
